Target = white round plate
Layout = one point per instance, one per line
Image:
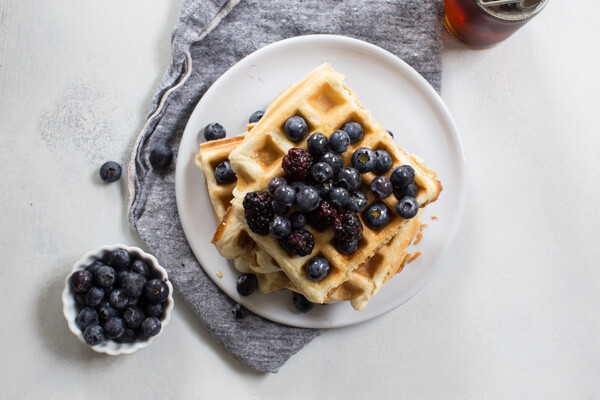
(400, 98)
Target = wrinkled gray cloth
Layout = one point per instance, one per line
(211, 36)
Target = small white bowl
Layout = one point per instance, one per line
(70, 308)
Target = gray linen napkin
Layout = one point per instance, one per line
(209, 37)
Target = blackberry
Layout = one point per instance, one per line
(299, 242)
(258, 208)
(296, 164)
(347, 226)
(323, 216)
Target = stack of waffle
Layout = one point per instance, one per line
(326, 104)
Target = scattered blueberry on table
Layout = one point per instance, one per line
(214, 131)
(110, 171)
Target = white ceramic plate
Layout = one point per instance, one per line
(397, 96)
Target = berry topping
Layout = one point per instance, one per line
(296, 164)
(119, 259)
(298, 220)
(377, 215)
(333, 159)
(402, 176)
(317, 144)
(321, 172)
(156, 291)
(347, 226)
(317, 269)
(301, 303)
(275, 182)
(339, 141)
(410, 190)
(339, 196)
(300, 242)
(86, 317)
(349, 178)
(346, 247)
(161, 157)
(323, 216)
(383, 161)
(358, 202)
(256, 116)
(280, 227)
(82, 280)
(214, 131)
(239, 311)
(258, 208)
(324, 188)
(114, 328)
(381, 187)
(151, 326)
(94, 296)
(295, 128)
(110, 171)
(285, 195)
(105, 276)
(246, 284)
(224, 174)
(354, 130)
(364, 160)
(407, 207)
(93, 335)
(308, 199)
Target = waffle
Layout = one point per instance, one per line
(323, 100)
(233, 241)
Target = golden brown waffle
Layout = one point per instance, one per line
(233, 242)
(323, 100)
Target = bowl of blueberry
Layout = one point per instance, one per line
(117, 299)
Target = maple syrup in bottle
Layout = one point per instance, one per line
(485, 23)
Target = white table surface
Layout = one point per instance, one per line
(514, 313)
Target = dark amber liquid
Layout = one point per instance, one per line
(481, 27)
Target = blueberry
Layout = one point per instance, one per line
(106, 311)
(301, 303)
(156, 291)
(151, 326)
(349, 178)
(280, 227)
(299, 185)
(364, 160)
(381, 187)
(133, 284)
(317, 269)
(93, 335)
(81, 281)
(297, 220)
(333, 159)
(239, 311)
(256, 116)
(407, 207)
(285, 195)
(246, 284)
(279, 208)
(114, 328)
(402, 176)
(154, 310)
(141, 267)
(214, 131)
(133, 317)
(410, 190)
(94, 296)
(308, 199)
(339, 196)
(383, 161)
(119, 259)
(346, 247)
(110, 171)
(354, 130)
(80, 299)
(133, 301)
(86, 317)
(118, 299)
(128, 336)
(161, 157)
(105, 276)
(317, 144)
(324, 188)
(93, 267)
(377, 215)
(321, 172)
(275, 182)
(296, 128)
(224, 174)
(390, 133)
(358, 202)
(339, 141)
